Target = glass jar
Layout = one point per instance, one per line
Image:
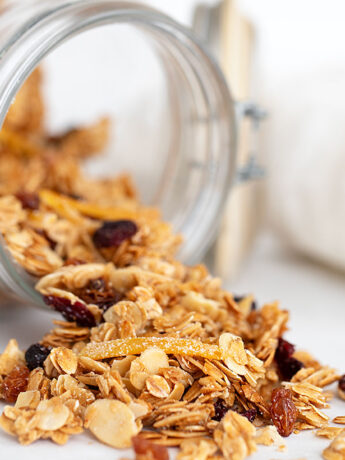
(194, 147)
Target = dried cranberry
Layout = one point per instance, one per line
(148, 449)
(77, 312)
(287, 365)
(35, 355)
(28, 200)
(341, 383)
(284, 350)
(220, 409)
(113, 233)
(250, 414)
(15, 382)
(283, 411)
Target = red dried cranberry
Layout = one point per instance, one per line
(148, 449)
(220, 409)
(284, 350)
(283, 411)
(15, 382)
(341, 383)
(77, 312)
(28, 200)
(250, 414)
(287, 365)
(113, 233)
(35, 355)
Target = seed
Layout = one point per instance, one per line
(35, 355)
(146, 448)
(28, 200)
(15, 383)
(77, 312)
(283, 411)
(341, 383)
(113, 233)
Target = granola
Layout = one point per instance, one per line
(149, 352)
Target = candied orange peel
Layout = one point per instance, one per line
(135, 346)
(62, 203)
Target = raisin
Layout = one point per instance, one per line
(77, 312)
(15, 382)
(287, 365)
(283, 411)
(220, 409)
(341, 383)
(113, 233)
(28, 200)
(250, 414)
(35, 355)
(145, 448)
(100, 293)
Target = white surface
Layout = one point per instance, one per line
(315, 298)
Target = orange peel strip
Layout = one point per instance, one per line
(61, 203)
(135, 346)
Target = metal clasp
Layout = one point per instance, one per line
(252, 170)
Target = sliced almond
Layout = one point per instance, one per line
(139, 408)
(123, 365)
(154, 359)
(112, 422)
(28, 399)
(53, 414)
(64, 360)
(233, 353)
(138, 374)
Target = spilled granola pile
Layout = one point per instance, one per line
(150, 353)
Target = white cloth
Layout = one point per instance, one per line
(306, 167)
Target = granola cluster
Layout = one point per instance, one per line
(150, 352)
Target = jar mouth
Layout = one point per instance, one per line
(211, 170)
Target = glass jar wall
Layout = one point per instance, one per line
(179, 146)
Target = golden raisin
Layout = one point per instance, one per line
(147, 449)
(15, 382)
(283, 411)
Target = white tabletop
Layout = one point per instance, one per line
(314, 295)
